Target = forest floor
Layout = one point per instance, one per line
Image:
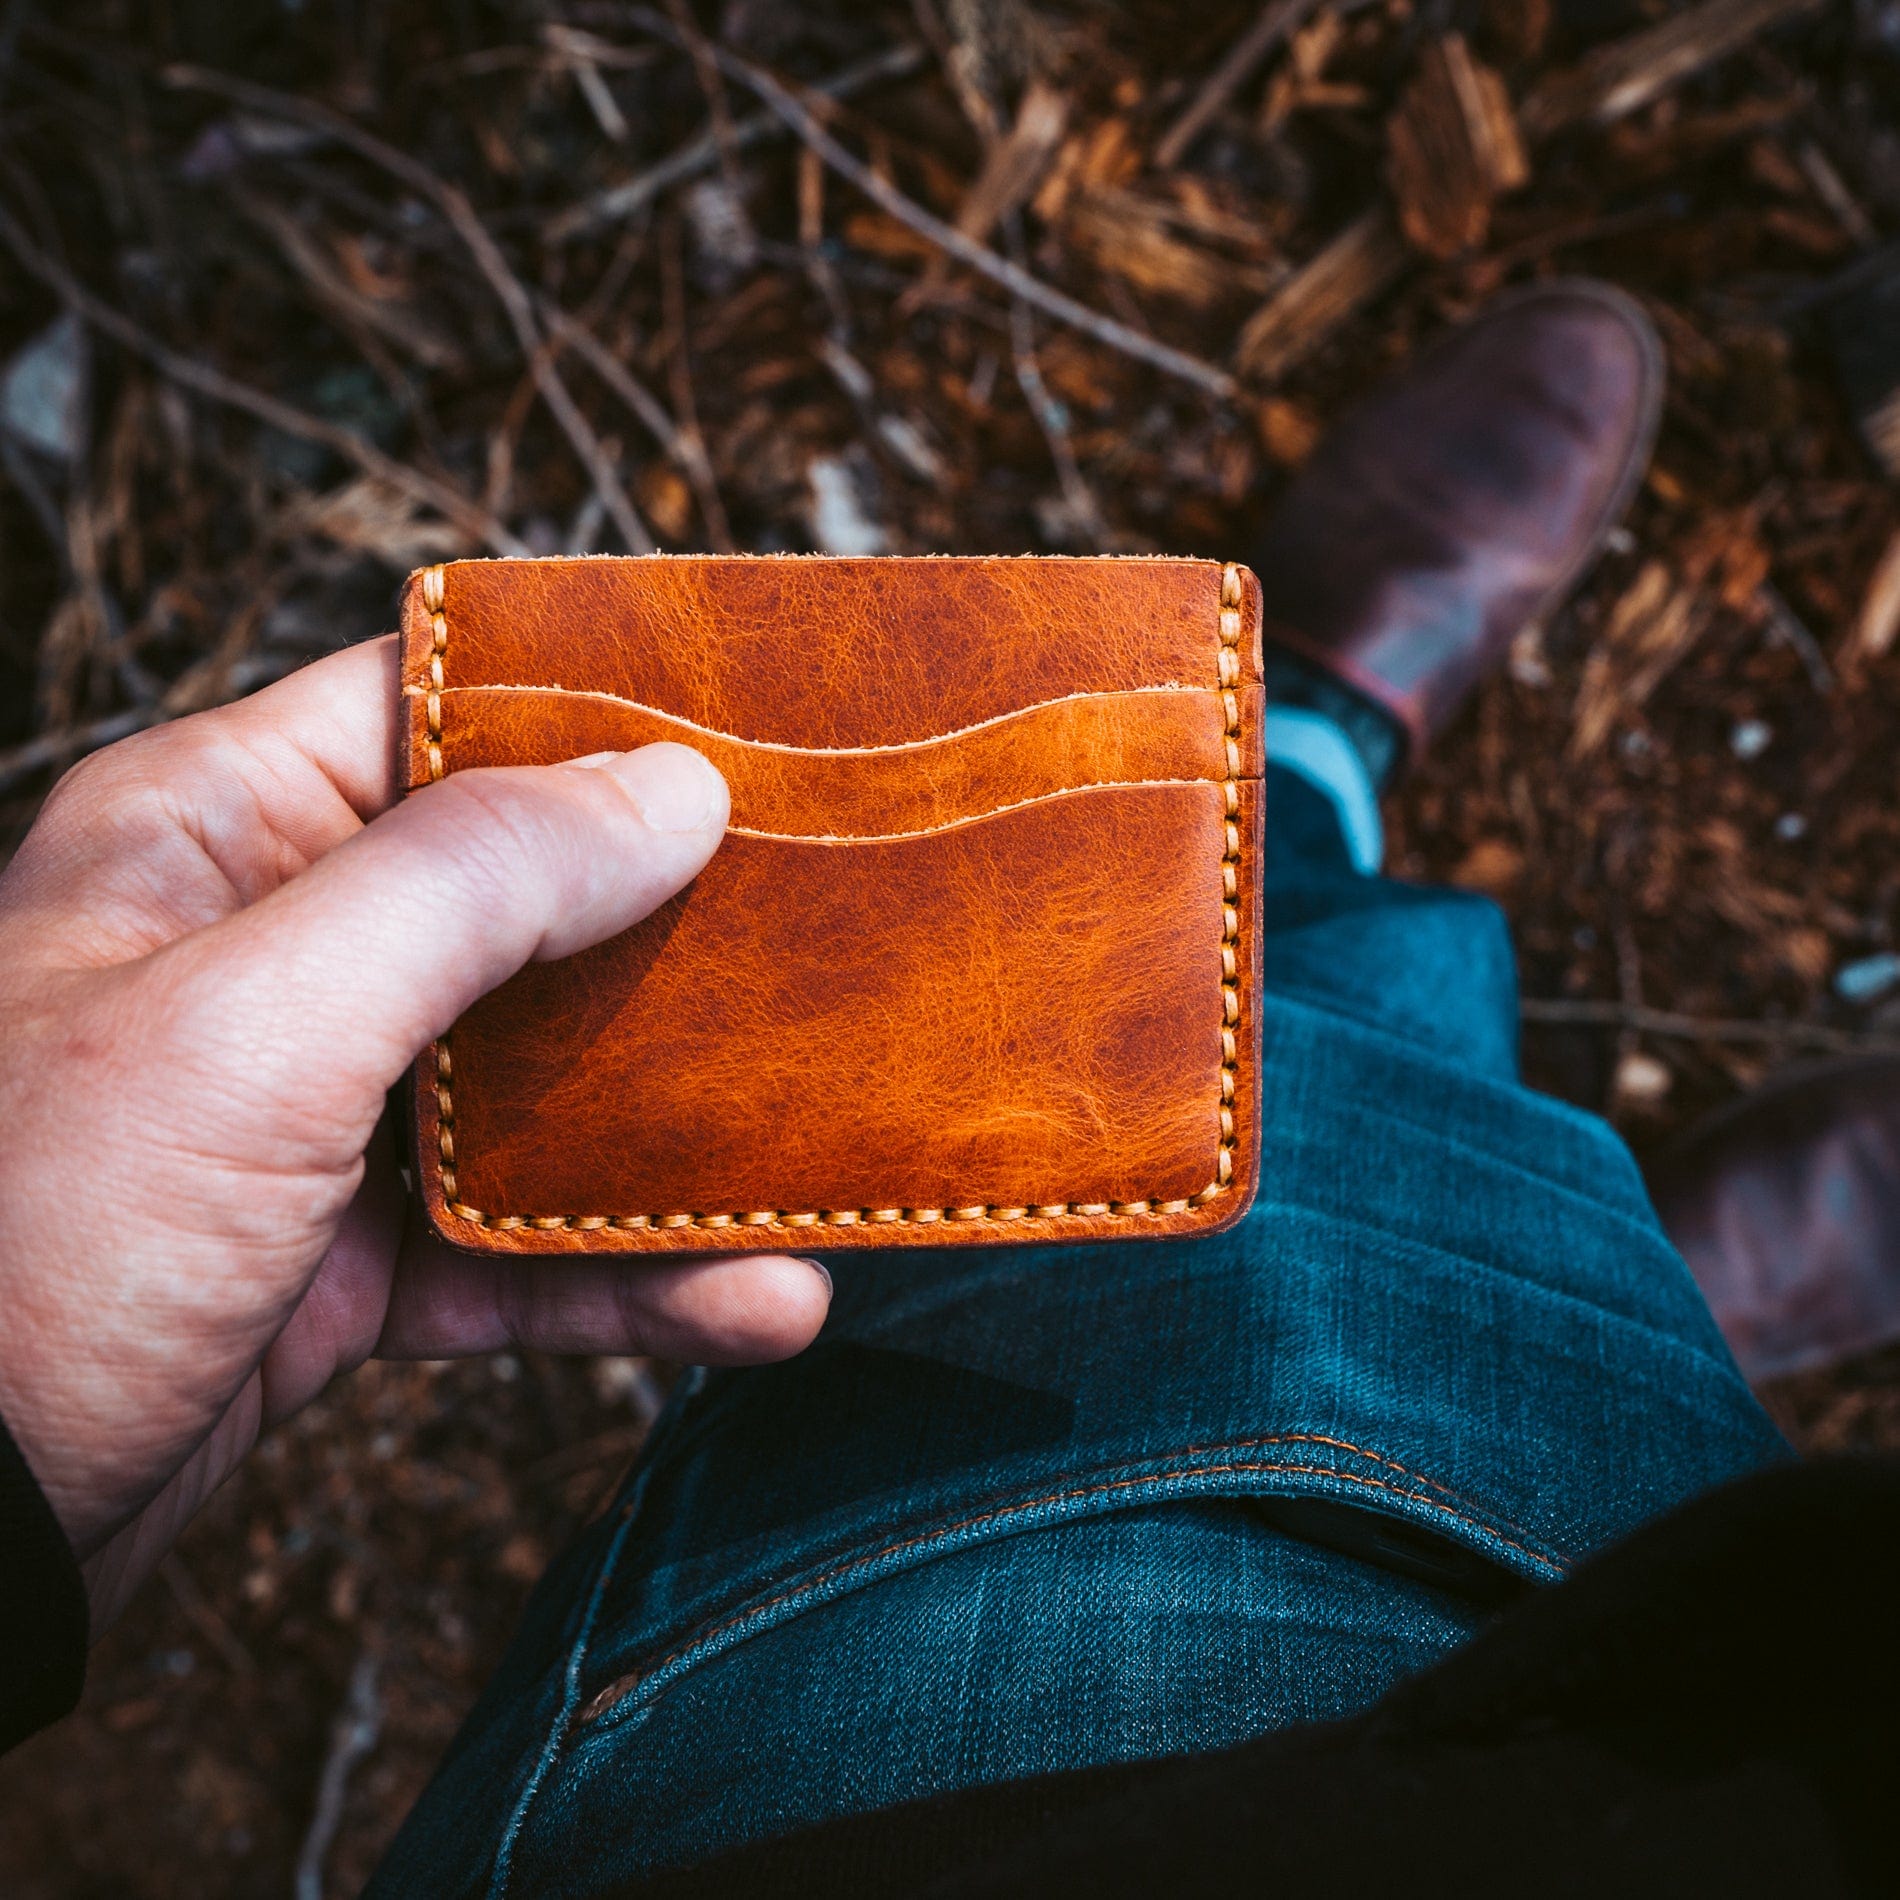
(267, 342)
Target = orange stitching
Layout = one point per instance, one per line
(434, 599)
(1229, 669)
(616, 1691)
(1333, 1444)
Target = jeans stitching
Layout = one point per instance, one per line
(616, 1691)
(564, 1716)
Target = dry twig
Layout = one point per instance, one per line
(203, 1615)
(946, 237)
(206, 380)
(688, 452)
(509, 291)
(700, 154)
(685, 409)
(1012, 169)
(1083, 523)
(58, 749)
(1600, 1013)
(1276, 23)
(357, 1728)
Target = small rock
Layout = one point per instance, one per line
(725, 244)
(1750, 738)
(227, 145)
(1791, 827)
(1528, 664)
(1867, 977)
(43, 391)
(1642, 1080)
(837, 516)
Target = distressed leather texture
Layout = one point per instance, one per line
(977, 960)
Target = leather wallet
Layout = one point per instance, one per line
(976, 961)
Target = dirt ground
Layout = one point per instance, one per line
(321, 269)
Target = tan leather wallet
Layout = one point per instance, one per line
(976, 961)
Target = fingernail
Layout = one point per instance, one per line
(819, 1268)
(674, 787)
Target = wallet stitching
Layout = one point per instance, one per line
(1227, 665)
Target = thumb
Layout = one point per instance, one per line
(335, 982)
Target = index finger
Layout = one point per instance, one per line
(174, 825)
(337, 715)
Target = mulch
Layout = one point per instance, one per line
(297, 298)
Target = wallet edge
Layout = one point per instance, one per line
(1213, 1210)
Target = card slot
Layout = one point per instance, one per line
(1149, 736)
(958, 824)
(1024, 1022)
(827, 652)
(696, 729)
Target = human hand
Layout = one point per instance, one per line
(209, 947)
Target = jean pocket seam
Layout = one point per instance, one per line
(1191, 1470)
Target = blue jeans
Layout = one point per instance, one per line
(1023, 1510)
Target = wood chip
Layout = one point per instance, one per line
(1492, 865)
(1879, 618)
(1366, 257)
(1301, 84)
(1649, 632)
(1452, 148)
(1104, 154)
(1137, 238)
(1624, 76)
(1016, 164)
(1288, 433)
(1012, 170)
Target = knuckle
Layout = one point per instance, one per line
(507, 835)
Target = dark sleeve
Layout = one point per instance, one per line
(1706, 1709)
(43, 1614)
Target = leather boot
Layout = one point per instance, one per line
(1459, 503)
(1786, 1206)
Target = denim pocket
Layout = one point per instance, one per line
(1094, 1618)
(666, 1610)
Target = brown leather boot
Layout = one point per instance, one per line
(1786, 1206)
(1458, 504)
